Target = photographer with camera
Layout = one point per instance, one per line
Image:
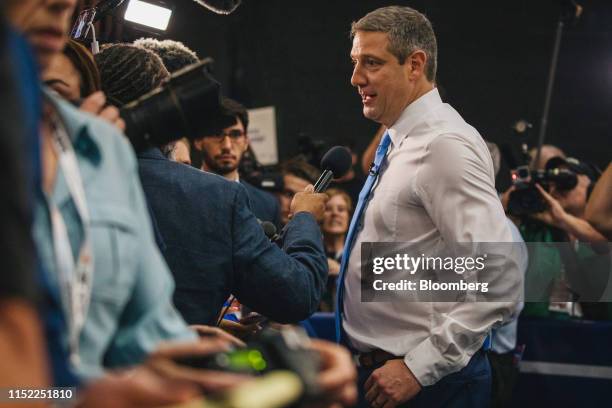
(213, 243)
(550, 207)
(565, 202)
(175, 55)
(565, 209)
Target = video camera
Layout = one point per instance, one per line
(562, 173)
(188, 104)
(526, 199)
(270, 350)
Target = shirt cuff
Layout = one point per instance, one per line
(428, 365)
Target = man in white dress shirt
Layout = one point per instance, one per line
(435, 188)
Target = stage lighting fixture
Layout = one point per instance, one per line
(152, 14)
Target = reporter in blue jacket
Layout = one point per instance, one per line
(206, 231)
(215, 246)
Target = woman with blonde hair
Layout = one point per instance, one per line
(335, 227)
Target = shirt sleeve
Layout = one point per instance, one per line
(456, 187)
(286, 284)
(150, 316)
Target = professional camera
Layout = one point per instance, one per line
(270, 350)
(526, 199)
(185, 105)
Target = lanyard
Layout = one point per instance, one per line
(75, 278)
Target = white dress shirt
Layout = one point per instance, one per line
(504, 337)
(435, 188)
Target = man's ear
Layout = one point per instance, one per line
(416, 62)
(197, 144)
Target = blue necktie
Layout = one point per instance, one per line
(364, 195)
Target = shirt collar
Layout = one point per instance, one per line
(76, 124)
(413, 114)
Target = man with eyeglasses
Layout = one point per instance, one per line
(221, 154)
(214, 246)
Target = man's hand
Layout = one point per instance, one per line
(163, 364)
(333, 266)
(337, 379)
(391, 385)
(160, 381)
(311, 202)
(94, 104)
(576, 227)
(138, 387)
(216, 332)
(240, 330)
(555, 215)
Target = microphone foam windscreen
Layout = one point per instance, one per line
(338, 159)
(269, 229)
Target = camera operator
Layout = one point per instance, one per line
(213, 243)
(561, 221)
(566, 208)
(175, 55)
(128, 72)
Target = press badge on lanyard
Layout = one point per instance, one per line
(76, 278)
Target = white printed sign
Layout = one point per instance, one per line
(262, 134)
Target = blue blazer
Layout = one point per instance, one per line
(263, 204)
(215, 246)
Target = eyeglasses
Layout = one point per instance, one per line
(233, 134)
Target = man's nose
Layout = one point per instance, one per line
(226, 142)
(358, 78)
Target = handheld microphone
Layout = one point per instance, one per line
(335, 163)
(269, 229)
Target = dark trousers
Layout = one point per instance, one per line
(505, 374)
(469, 387)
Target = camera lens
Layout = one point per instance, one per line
(187, 105)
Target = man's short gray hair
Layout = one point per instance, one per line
(408, 31)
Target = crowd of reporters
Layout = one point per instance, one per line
(79, 206)
(174, 232)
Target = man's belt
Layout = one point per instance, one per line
(374, 358)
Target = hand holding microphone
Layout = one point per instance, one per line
(309, 201)
(335, 163)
